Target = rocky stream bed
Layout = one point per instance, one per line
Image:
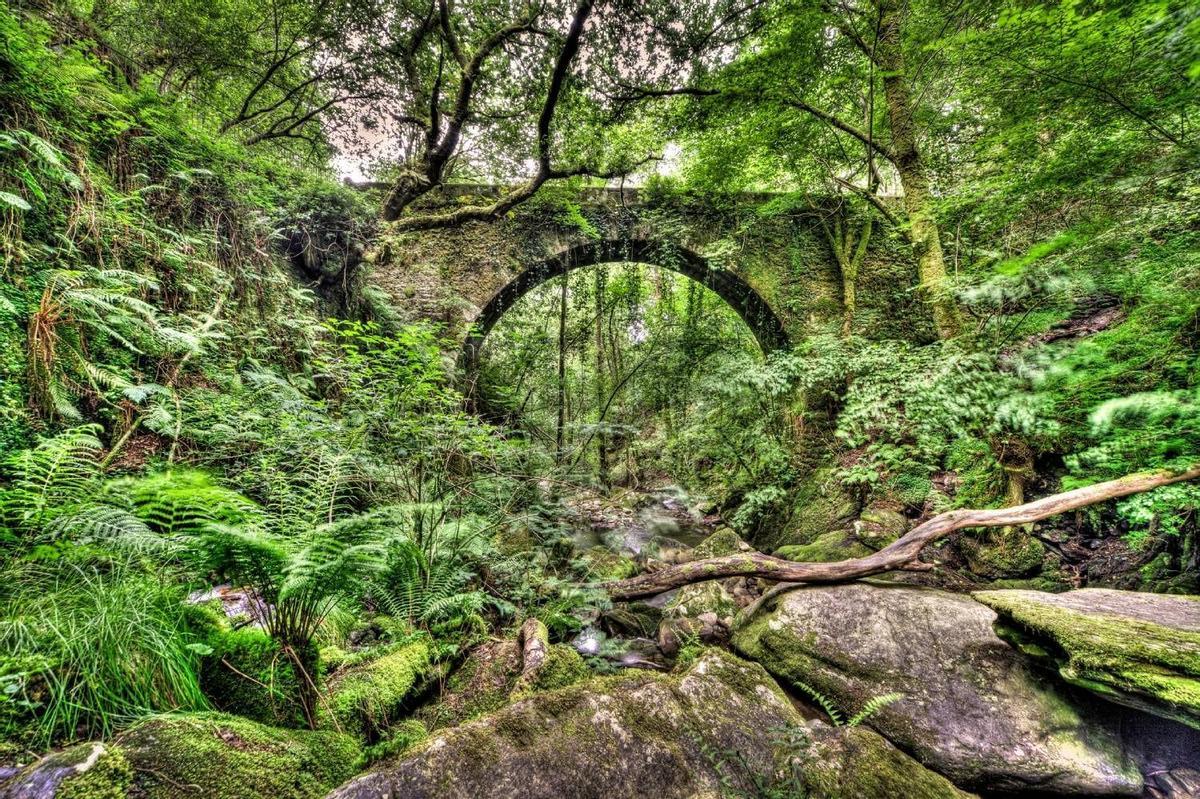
(870, 690)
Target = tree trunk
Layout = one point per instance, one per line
(914, 178)
(601, 391)
(849, 257)
(560, 427)
(902, 554)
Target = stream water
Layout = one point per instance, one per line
(663, 525)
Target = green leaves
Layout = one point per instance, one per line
(14, 201)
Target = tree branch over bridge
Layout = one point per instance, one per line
(903, 553)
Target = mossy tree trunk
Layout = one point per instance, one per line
(912, 171)
(600, 287)
(849, 250)
(561, 422)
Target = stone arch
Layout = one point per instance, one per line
(766, 326)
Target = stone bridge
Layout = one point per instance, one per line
(777, 271)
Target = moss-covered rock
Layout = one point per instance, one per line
(878, 526)
(843, 762)
(722, 542)
(366, 698)
(822, 504)
(248, 674)
(482, 684)
(636, 734)
(699, 598)
(491, 677)
(600, 563)
(218, 756)
(563, 666)
(1137, 649)
(84, 771)
(972, 709)
(827, 548)
(698, 613)
(1003, 552)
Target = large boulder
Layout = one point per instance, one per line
(972, 709)
(217, 756)
(1137, 649)
(669, 736)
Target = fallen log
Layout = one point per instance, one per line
(901, 554)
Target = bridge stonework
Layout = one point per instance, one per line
(778, 272)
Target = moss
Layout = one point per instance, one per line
(366, 698)
(600, 563)
(1006, 552)
(481, 685)
(249, 674)
(823, 504)
(1130, 660)
(868, 766)
(563, 666)
(1050, 583)
(108, 778)
(723, 542)
(910, 490)
(333, 657)
(218, 756)
(880, 526)
(827, 548)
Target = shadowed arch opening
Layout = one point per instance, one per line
(767, 328)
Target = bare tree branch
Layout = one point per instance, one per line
(902, 553)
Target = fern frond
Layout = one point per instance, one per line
(827, 704)
(116, 528)
(873, 706)
(52, 478)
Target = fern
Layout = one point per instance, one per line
(52, 479)
(831, 710)
(185, 503)
(836, 715)
(873, 706)
(114, 528)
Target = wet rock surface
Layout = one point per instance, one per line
(973, 708)
(91, 770)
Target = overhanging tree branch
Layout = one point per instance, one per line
(842, 125)
(545, 171)
(902, 553)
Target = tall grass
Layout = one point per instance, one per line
(91, 648)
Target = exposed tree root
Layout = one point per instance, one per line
(902, 554)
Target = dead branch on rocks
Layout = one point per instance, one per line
(901, 554)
